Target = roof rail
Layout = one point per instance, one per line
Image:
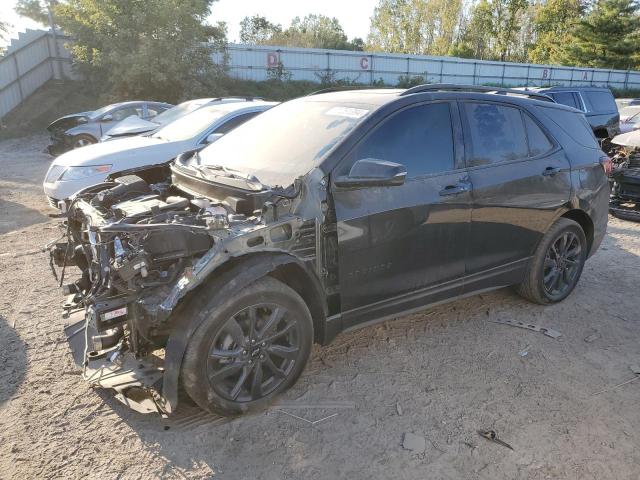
(345, 88)
(247, 98)
(452, 87)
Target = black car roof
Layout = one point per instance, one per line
(383, 96)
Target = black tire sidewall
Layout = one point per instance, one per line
(89, 138)
(557, 230)
(213, 316)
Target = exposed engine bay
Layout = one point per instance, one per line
(625, 184)
(141, 247)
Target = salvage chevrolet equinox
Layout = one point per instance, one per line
(217, 272)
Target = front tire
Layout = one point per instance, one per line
(248, 349)
(556, 265)
(83, 140)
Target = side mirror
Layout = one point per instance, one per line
(213, 137)
(107, 118)
(370, 172)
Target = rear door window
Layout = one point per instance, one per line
(567, 98)
(495, 133)
(420, 138)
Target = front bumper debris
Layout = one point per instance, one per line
(137, 382)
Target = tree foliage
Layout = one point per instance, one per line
(36, 10)
(414, 26)
(153, 48)
(607, 37)
(312, 31)
(258, 30)
(553, 22)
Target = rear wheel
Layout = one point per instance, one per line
(83, 140)
(248, 349)
(556, 265)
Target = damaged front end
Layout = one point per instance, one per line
(141, 247)
(625, 186)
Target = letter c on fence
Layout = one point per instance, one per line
(364, 63)
(272, 59)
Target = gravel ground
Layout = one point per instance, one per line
(430, 379)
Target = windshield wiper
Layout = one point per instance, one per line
(251, 180)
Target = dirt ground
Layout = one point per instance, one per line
(441, 375)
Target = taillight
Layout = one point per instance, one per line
(607, 165)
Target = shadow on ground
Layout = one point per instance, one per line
(14, 216)
(13, 360)
(199, 443)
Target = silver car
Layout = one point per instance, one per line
(84, 128)
(136, 125)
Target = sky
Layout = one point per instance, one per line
(354, 15)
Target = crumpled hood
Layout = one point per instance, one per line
(132, 126)
(128, 152)
(629, 139)
(68, 121)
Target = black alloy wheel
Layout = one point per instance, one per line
(251, 345)
(254, 352)
(555, 268)
(562, 265)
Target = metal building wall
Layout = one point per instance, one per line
(253, 62)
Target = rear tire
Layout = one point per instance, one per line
(248, 349)
(556, 265)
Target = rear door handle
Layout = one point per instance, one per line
(550, 171)
(454, 189)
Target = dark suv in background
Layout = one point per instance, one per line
(597, 103)
(345, 208)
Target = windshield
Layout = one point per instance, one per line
(286, 141)
(179, 110)
(97, 113)
(190, 125)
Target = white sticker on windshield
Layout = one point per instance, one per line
(347, 112)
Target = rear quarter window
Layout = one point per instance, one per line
(573, 124)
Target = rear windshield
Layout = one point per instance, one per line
(599, 101)
(573, 124)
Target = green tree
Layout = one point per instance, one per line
(553, 22)
(312, 31)
(415, 26)
(607, 37)
(496, 29)
(157, 49)
(258, 30)
(477, 33)
(36, 10)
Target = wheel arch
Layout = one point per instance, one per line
(583, 219)
(236, 273)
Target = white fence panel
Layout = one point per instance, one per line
(254, 62)
(30, 61)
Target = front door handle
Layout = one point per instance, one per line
(550, 171)
(454, 189)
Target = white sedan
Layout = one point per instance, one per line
(92, 164)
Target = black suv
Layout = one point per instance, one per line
(326, 213)
(597, 103)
